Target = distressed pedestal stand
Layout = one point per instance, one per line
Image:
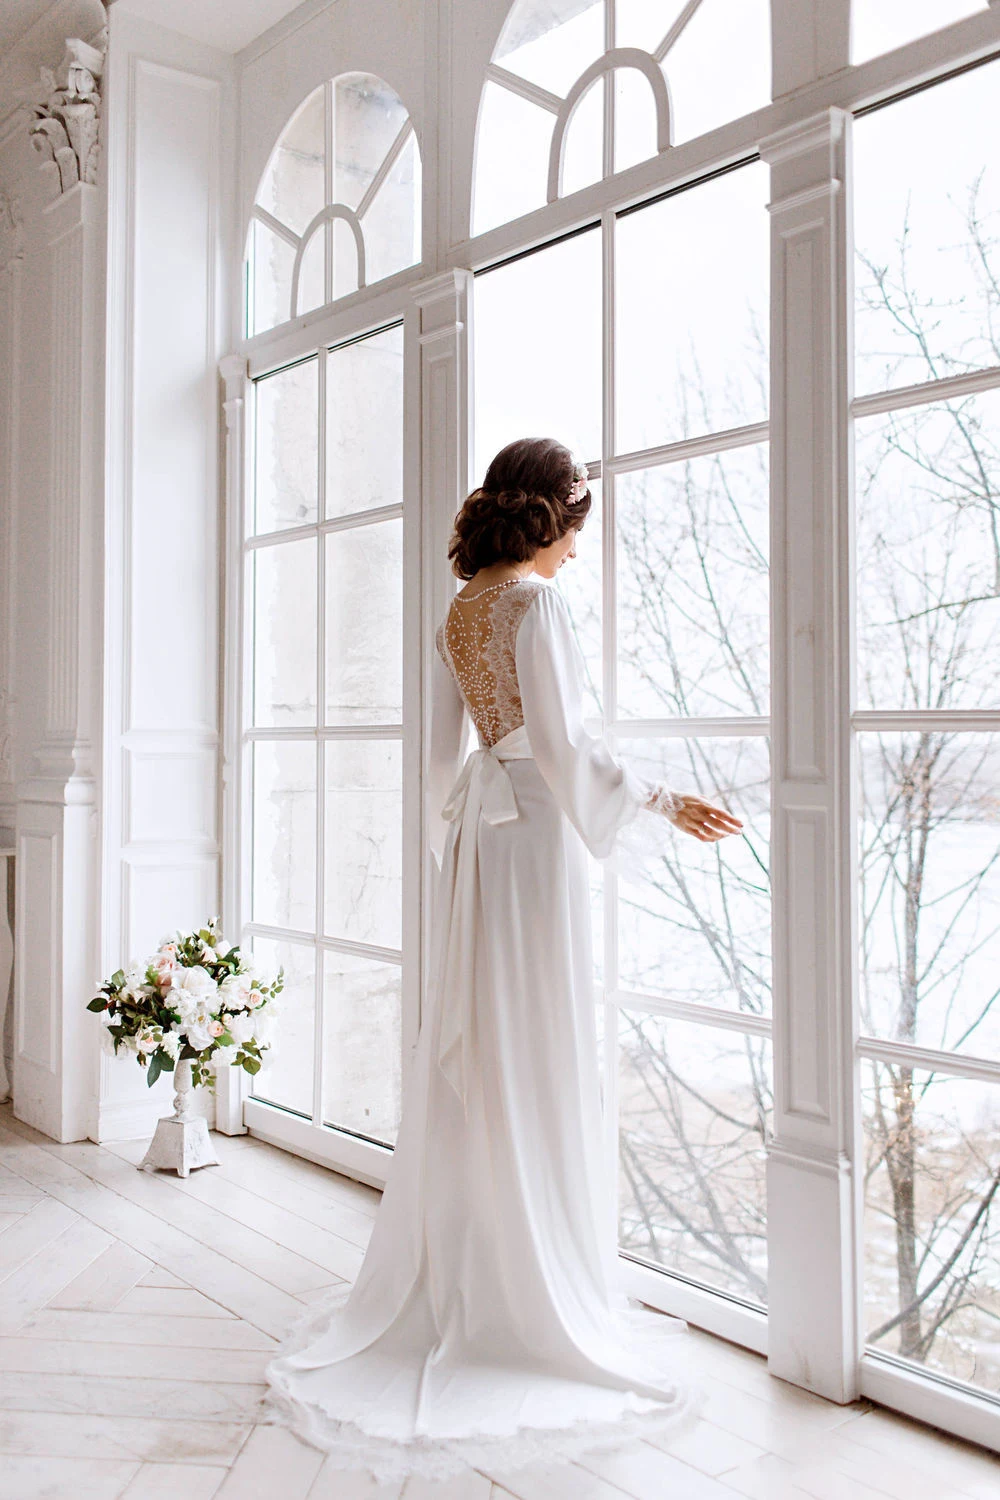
(181, 1140)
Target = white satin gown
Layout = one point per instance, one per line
(486, 1327)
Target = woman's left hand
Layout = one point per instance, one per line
(703, 821)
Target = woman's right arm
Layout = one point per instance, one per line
(598, 793)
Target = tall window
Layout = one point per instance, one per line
(324, 734)
(338, 207)
(579, 89)
(927, 416)
(670, 598)
(322, 694)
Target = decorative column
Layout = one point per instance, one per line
(814, 1277)
(442, 317)
(55, 1044)
(11, 264)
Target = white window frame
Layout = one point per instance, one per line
(330, 328)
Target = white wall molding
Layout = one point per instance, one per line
(11, 274)
(170, 120)
(814, 1336)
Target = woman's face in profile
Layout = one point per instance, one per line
(548, 560)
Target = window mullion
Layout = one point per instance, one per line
(319, 1018)
(814, 1276)
(609, 659)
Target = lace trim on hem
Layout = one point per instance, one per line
(350, 1446)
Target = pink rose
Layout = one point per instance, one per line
(164, 968)
(216, 1028)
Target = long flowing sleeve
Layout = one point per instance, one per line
(599, 794)
(447, 750)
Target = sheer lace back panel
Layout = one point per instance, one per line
(476, 641)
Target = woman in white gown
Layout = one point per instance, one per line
(486, 1327)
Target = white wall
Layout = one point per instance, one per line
(169, 127)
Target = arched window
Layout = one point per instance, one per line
(338, 206)
(878, 26)
(579, 89)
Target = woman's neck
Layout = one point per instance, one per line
(497, 573)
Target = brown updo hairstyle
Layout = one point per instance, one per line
(520, 507)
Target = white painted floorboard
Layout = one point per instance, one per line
(137, 1313)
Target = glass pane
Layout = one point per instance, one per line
(928, 548)
(693, 587)
(932, 1247)
(311, 291)
(367, 119)
(878, 26)
(695, 1112)
(719, 68)
(293, 187)
(363, 1047)
(344, 248)
(284, 634)
(287, 439)
(270, 272)
(538, 350)
(364, 625)
(635, 119)
(583, 147)
(551, 42)
(364, 808)
(699, 927)
(930, 889)
(364, 424)
(691, 339)
(645, 23)
(287, 1078)
(580, 582)
(512, 158)
(284, 834)
(392, 223)
(926, 196)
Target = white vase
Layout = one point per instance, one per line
(181, 1140)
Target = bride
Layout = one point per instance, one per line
(486, 1327)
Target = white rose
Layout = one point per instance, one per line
(184, 1003)
(196, 981)
(223, 1057)
(198, 1035)
(171, 1044)
(147, 1040)
(240, 1028)
(235, 991)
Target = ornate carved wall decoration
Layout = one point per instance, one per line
(67, 119)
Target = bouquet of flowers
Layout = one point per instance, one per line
(195, 999)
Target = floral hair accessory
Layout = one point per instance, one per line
(580, 485)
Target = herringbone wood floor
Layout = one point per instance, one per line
(136, 1314)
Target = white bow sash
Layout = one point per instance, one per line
(483, 790)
